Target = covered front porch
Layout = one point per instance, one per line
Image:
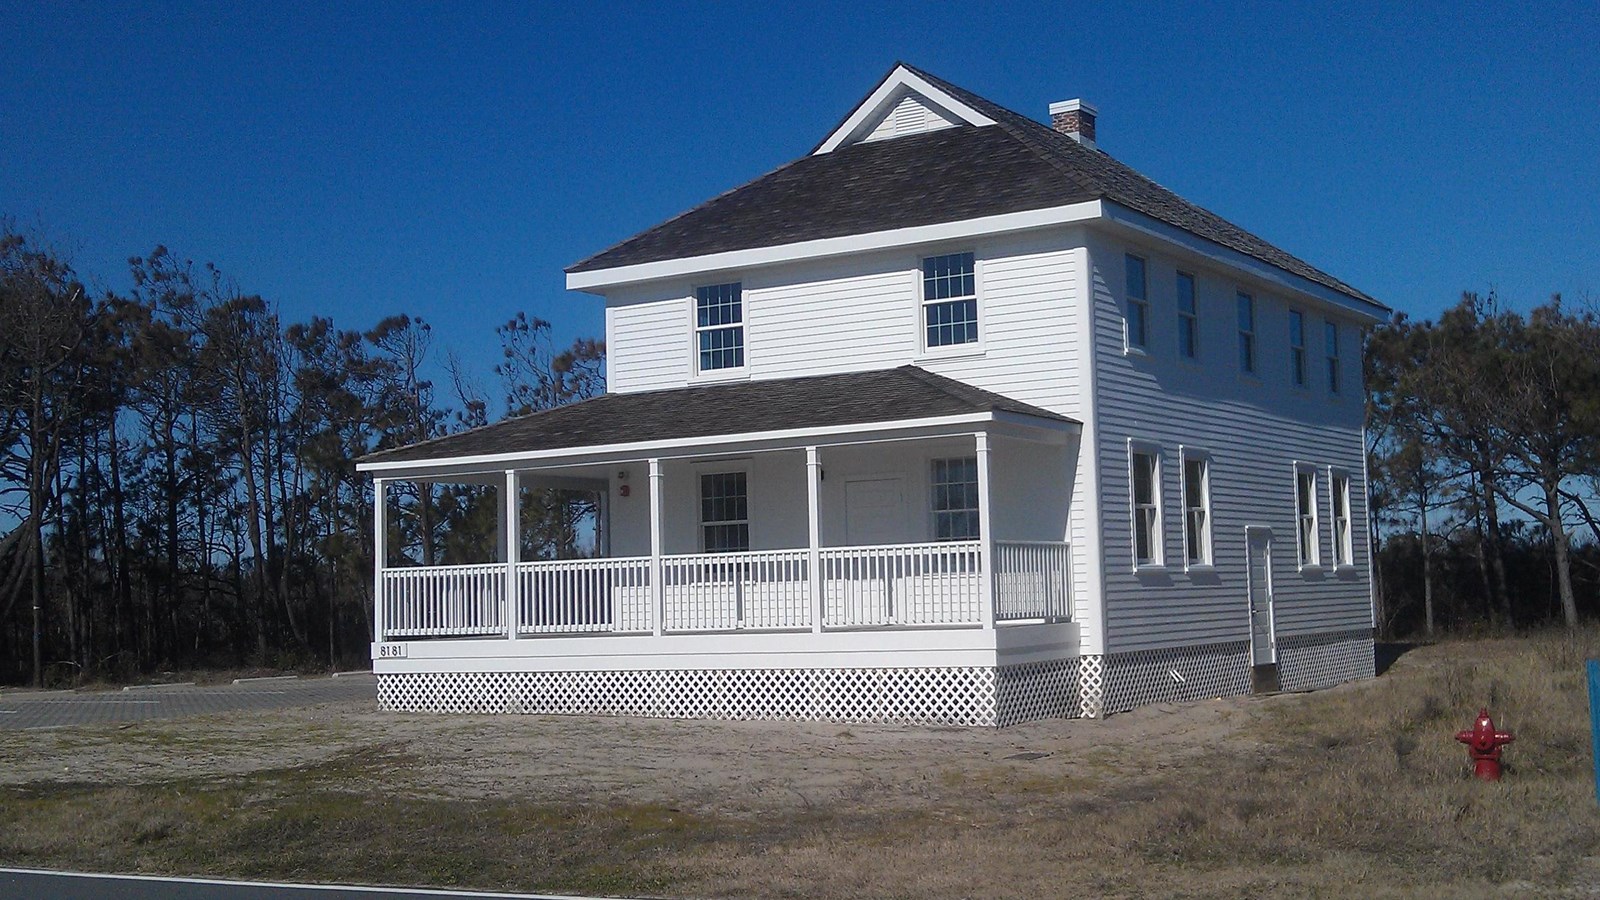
(641, 582)
(822, 563)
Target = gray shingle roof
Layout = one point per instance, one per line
(744, 407)
(940, 176)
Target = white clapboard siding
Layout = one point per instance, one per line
(1255, 430)
(647, 345)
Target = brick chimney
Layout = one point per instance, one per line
(1075, 119)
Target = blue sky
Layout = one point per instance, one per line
(447, 160)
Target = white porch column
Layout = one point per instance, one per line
(380, 554)
(814, 508)
(985, 533)
(511, 524)
(658, 590)
(602, 523)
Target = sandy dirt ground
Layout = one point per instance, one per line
(738, 768)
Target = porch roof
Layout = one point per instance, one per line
(743, 408)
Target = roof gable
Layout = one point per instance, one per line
(904, 102)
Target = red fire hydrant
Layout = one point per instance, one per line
(1483, 745)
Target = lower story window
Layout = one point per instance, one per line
(1146, 497)
(955, 499)
(724, 513)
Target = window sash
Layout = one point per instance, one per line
(724, 512)
(1247, 333)
(1331, 337)
(1343, 551)
(1188, 317)
(1306, 509)
(719, 326)
(1146, 496)
(1197, 510)
(1297, 347)
(1138, 311)
(954, 484)
(950, 299)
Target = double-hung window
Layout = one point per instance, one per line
(1297, 347)
(950, 300)
(1247, 333)
(719, 326)
(1305, 496)
(1196, 509)
(955, 498)
(1331, 338)
(1339, 489)
(1137, 316)
(724, 512)
(1188, 318)
(1145, 493)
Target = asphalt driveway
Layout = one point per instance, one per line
(57, 709)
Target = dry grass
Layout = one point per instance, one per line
(1357, 791)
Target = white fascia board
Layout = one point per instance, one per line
(837, 246)
(1122, 217)
(889, 92)
(644, 449)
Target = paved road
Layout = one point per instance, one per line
(31, 884)
(56, 709)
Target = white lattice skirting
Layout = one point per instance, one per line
(1175, 675)
(1310, 661)
(949, 696)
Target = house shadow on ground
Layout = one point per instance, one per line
(1385, 654)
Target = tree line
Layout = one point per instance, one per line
(1483, 434)
(177, 481)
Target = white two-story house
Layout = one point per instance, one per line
(955, 419)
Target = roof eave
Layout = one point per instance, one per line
(597, 280)
(1016, 422)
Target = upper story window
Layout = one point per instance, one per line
(1330, 333)
(724, 512)
(1188, 318)
(1247, 333)
(1196, 509)
(955, 498)
(1305, 500)
(950, 299)
(719, 326)
(1145, 494)
(1297, 347)
(1339, 488)
(1137, 315)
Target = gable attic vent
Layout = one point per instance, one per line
(1075, 119)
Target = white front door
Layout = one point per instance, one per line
(874, 511)
(1258, 554)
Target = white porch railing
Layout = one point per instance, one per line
(577, 595)
(925, 585)
(761, 589)
(1032, 580)
(444, 600)
(903, 584)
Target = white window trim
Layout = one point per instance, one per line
(731, 373)
(1194, 282)
(719, 467)
(1208, 559)
(1128, 346)
(1346, 548)
(946, 351)
(1313, 562)
(1157, 535)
